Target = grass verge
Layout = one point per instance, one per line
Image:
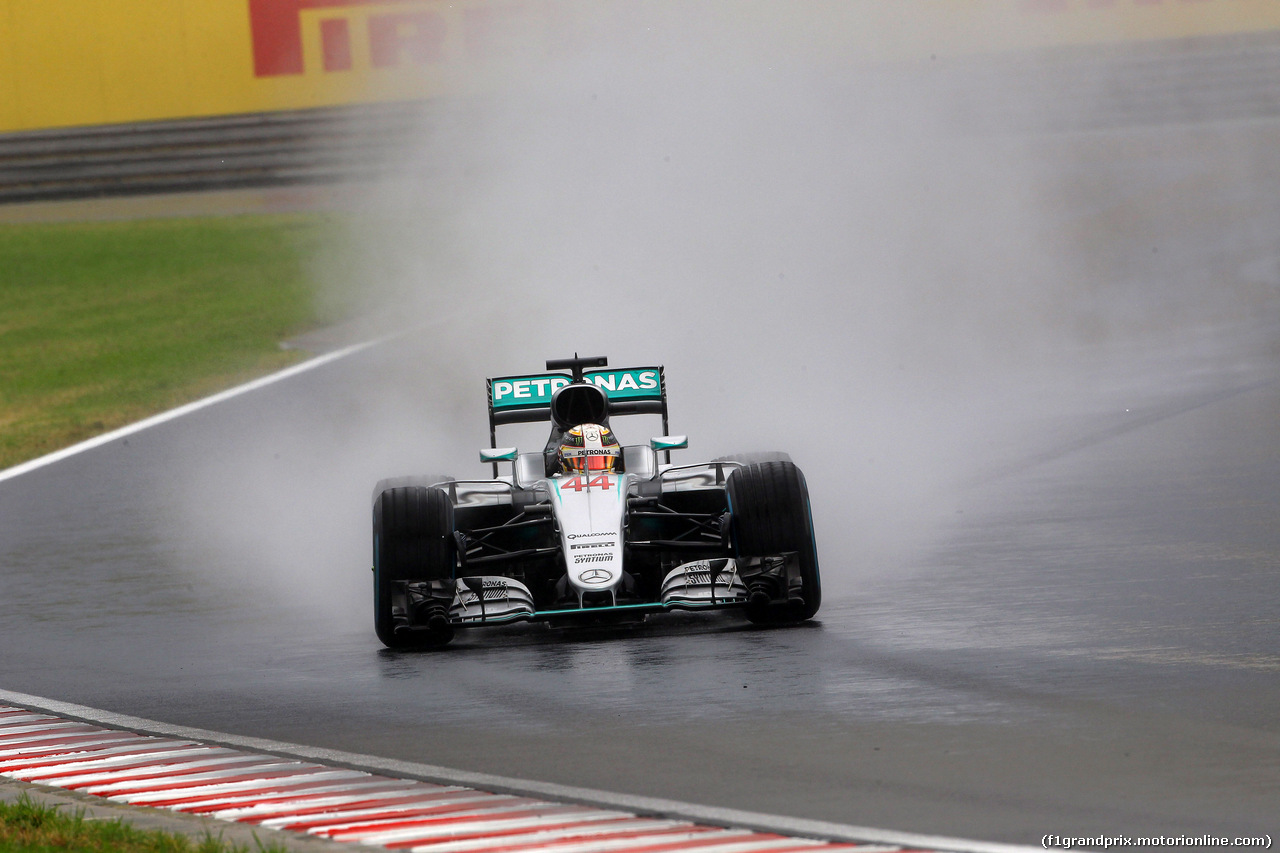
(30, 827)
(102, 324)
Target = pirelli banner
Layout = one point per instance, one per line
(83, 62)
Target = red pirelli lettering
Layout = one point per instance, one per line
(335, 41)
(415, 35)
(277, 32)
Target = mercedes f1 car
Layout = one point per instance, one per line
(588, 531)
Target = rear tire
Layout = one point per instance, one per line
(771, 515)
(412, 541)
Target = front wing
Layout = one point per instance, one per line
(697, 585)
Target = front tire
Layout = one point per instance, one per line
(769, 502)
(412, 541)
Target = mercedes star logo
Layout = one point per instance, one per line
(595, 576)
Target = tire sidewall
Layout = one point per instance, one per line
(771, 513)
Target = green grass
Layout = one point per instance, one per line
(102, 324)
(34, 828)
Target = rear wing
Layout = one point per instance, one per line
(527, 398)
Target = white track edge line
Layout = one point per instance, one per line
(155, 420)
(507, 784)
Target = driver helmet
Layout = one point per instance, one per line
(590, 449)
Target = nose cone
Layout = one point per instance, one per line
(590, 510)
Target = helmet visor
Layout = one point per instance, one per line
(604, 462)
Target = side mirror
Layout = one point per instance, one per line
(669, 442)
(498, 454)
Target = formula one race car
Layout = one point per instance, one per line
(589, 531)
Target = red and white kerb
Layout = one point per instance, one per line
(346, 805)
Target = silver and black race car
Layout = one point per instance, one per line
(569, 545)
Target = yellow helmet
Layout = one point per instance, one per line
(589, 449)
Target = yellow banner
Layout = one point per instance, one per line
(83, 62)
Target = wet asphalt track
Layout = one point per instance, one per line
(1091, 643)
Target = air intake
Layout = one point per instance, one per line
(579, 403)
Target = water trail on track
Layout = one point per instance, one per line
(848, 260)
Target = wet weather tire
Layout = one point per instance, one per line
(771, 515)
(412, 541)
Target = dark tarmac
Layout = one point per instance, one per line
(1089, 644)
